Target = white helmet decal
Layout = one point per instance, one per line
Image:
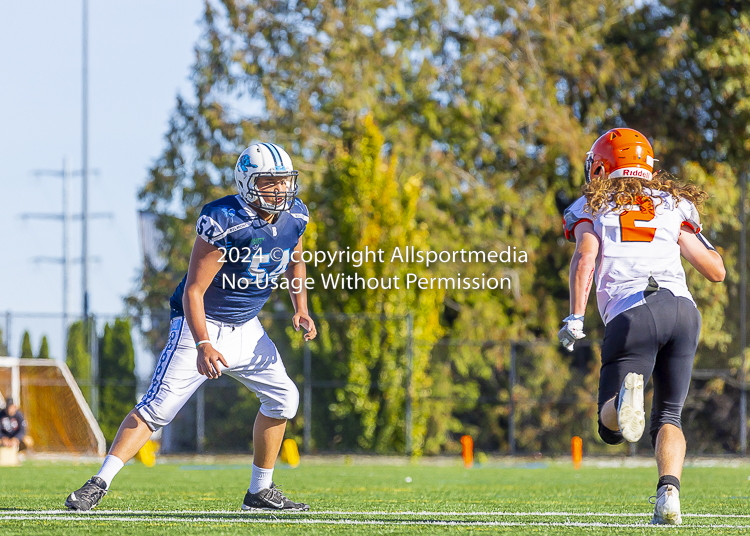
(265, 160)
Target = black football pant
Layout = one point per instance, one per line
(657, 338)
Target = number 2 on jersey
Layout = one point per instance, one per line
(628, 231)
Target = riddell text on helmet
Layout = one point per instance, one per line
(635, 172)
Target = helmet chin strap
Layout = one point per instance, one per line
(263, 212)
(259, 205)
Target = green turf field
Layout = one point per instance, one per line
(442, 498)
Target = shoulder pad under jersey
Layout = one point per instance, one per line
(574, 215)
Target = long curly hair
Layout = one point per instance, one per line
(622, 192)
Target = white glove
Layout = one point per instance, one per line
(571, 331)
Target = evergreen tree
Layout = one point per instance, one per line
(43, 349)
(364, 202)
(78, 358)
(26, 351)
(3, 345)
(117, 374)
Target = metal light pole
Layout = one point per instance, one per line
(743, 315)
(89, 323)
(511, 400)
(65, 257)
(85, 163)
(65, 217)
(307, 401)
(200, 420)
(409, 418)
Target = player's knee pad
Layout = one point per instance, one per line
(611, 437)
(284, 402)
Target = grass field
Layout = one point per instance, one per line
(368, 498)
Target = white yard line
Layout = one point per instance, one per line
(240, 520)
(107, 513)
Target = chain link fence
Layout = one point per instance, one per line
(362, 392)
(512, 397)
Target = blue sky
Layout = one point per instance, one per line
(140, 53)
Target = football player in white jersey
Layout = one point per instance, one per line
(244, 243)
(630, 228)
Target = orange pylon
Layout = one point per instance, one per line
(467, 450)
(576, 446)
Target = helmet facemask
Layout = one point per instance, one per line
(590, 167)
(271, 199)
(587, 166)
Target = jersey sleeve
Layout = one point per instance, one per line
(690, 216)
(574, 215)
(212, 226)
(301, 216)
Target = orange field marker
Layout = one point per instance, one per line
(467, 450)
(576, 446)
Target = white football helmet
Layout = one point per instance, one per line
(265, 160)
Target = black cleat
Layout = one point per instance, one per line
(271, 499)
(88, 496)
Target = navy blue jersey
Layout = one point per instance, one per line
(255, 254)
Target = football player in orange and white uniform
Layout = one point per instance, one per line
(631, 227)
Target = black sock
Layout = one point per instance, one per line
(668, 479)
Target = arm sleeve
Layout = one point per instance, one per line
(574, 215)
(705, 241)
(690, 216)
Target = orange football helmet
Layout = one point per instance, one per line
(621, 152)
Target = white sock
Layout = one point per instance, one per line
(110, 468)
(261, 479)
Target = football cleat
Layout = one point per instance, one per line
(630, 415)
(88, 496)
(271, 499)
(667, 506)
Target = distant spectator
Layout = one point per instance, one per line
(13, 427)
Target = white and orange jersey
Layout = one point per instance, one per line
(636, 243)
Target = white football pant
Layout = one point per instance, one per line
(252, 358)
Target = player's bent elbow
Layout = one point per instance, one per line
(718, 274)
